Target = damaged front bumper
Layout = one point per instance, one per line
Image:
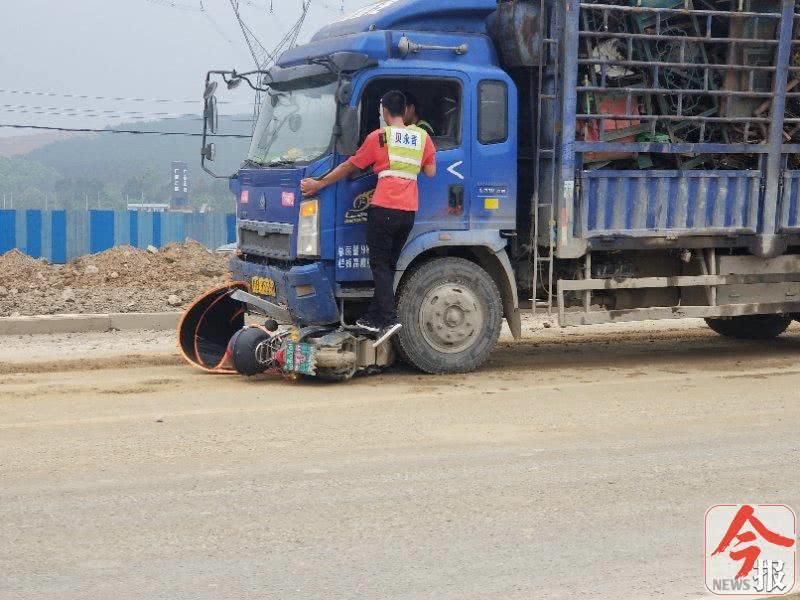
(214, 336)
(306, 292)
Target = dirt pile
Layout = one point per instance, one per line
(19, 267)
(122, 279)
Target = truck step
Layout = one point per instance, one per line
(389, 334)
(356, 292)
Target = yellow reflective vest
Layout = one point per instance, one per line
(406, 146)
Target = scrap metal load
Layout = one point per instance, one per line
(682, 72)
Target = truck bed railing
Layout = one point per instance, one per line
(689, 74)
(669, 88)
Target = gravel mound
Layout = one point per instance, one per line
(122, 279)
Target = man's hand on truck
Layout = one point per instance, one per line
(311, 186)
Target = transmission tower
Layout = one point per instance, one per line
(263, 58)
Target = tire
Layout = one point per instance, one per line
(452, 315)
(244, 351)
(752, 327)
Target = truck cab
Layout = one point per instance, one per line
(308, 256)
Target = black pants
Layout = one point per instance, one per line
(387, 233)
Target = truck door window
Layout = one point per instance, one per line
(439, 103)
(492, 112)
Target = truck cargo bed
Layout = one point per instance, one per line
(669, 120)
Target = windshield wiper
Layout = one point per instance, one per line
(254, 164)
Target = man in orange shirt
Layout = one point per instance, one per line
(397, 154)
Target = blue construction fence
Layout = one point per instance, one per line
(61, 236)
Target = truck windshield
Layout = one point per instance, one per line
(295, 125)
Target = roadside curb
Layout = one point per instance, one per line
(54, 324)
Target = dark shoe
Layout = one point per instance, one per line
(368, 324)
(391, 322)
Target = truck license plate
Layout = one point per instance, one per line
(301, 358)
(263, 286)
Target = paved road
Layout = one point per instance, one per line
(573, 466)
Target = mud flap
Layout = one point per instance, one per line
(514, 318)
(208, 327)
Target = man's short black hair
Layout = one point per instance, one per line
(395, 103)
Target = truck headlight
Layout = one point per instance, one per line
(308, 230)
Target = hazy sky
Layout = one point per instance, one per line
(154, 49)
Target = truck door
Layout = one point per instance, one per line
(444, 200)
(495, 155)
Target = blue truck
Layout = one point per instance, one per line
(614, 161)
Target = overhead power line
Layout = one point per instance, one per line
(270, 5)
(216, 27)
(122, 117)
(200, 9)
(98, 111)
(110, 116)
(89, 97)
(126, 131)
(339, 8)
(251, 3)
(178, 5)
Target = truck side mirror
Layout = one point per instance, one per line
(212, 114)
(210, 152)
(211, 89)
(348, 135)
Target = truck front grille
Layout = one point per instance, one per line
(270, 240)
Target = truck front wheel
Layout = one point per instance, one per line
(751, 327)
(452, 315)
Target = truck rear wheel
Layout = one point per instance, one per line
(452, 315)
(751, 327)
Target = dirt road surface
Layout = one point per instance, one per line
(576, 465)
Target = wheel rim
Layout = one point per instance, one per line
(451, 318)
